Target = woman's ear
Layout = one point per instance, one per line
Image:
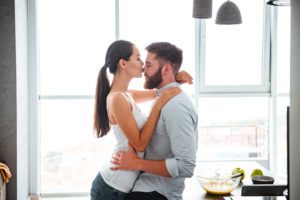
(122, 63)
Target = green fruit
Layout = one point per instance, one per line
(257, 172)
(239, 170)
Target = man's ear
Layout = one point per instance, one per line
(167, 68)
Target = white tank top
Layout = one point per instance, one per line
(120, 179)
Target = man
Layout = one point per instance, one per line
(171, 154)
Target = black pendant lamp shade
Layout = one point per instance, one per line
(202, 9)
(228, 14)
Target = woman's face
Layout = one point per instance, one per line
(135, 64)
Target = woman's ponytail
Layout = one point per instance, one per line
(101, 121)
(120, 49)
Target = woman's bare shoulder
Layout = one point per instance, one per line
(118, 99)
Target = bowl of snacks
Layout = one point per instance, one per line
(218, 182)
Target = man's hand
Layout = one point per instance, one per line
(124, 160)
(128, 160)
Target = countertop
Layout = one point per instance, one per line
(193, 190)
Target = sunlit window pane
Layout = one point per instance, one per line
(70, 154)
(233, 128)
(73, 37)
(144, 22)
(234, 52)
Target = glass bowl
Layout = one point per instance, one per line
(218, 182)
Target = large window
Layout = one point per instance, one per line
(231, 68)
(72, 45)
(234, 85)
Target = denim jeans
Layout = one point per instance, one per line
(101, 191)
(145, 196)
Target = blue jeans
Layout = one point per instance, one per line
(101, 191)
(145, 196)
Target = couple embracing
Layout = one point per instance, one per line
(153, 155)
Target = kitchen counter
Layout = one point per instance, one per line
(193, 190)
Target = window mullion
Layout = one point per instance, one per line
(273, 99)
(66, 97)
(34, 136)
(117, 19)
(199, 25)
(266, 53)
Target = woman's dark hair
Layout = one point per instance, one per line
(118, 50)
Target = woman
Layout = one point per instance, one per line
(116, 107)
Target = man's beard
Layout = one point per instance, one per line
(154, 80)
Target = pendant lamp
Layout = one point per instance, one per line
(228, 14)
(202, 9)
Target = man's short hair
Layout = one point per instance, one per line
(167, 52)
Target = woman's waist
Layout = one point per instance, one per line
(119, 178)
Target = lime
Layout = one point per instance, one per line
(257, 172)
(239, 170)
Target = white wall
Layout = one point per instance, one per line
(8, 115)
